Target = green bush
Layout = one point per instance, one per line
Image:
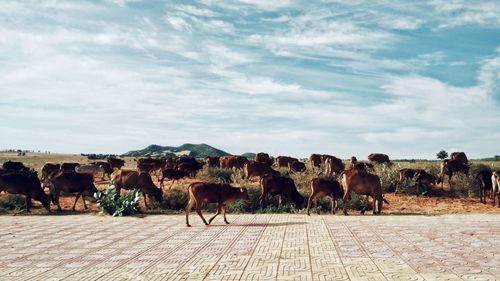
(389, 176)
(125, 205)
(464, 185)
(176, 200)
(12, 202)
(217, 175)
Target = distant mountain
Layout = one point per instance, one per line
(187, 149)
(249, 155)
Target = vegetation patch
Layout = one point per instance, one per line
(118, 206)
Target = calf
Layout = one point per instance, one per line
(258, 169)
(69, 166)
(172, 174)
(25, 183)
(222, 194)
(71, 182)
(296, 167)
(130, 179)
(363, 183)
(15, 166)
(485, 183)
(282, 186)
(324, 187)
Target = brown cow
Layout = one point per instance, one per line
(485, 183)
(333, 165)
(172, 174)
(459, 156)
(324, 187)
(449, 167)
(25, 183)
(258, 169)
(296, 167)
(190, 168)
(263, 158)
(354, 160)
(212, 161)
(222, 194)
(71, 182)
(151, 165)
(232, 161)
(47, 169)
(282, 186)
(116, 163)
(130, 179)
(108, 170)
(283, 161)
(379, 158)
(69, 166)
(315, 160)
(15, 166)
(363, 183)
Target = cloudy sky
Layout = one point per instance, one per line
(286, 77)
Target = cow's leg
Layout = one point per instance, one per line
(316, 205)
(380, 202)
(55, 200)
(261, 199)
(198, 211)
(311, 197)
(334, 203)
(219, 208)
(76, 199)
(28, 203)
(224, 213)
(344, 201)
(188, 208)
(366, 205)
(84, 203)
(279, 200)
(145, 201)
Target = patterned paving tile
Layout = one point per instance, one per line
(253, 247)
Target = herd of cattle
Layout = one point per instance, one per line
(339, 182)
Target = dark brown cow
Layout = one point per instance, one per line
(449, 167)
(333, 165)
(258, 169)
(315, 160)
(459, 156)
(379, 158)
(232, 161)
(263, 158)
(15, 166)
(173, 175)
(130, 179)
(283, 161)
(282, 186)
(485, 184)
(363, 183)
(48, 169)
(324, 187)
(222, 194)
(25, 183)
(116, 163)
(354, 160)
(190, 168)
(71, 182)
(170, 163)
(69, 166)
(212, 161)
(296, 167)
(421, 177)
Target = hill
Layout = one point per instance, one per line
(187, 149)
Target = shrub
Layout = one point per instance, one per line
(12, 202)
(218, 175)
(109, 203)
(389, 176)
(176, 199)
(465, 185)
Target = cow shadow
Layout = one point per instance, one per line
(271, 224)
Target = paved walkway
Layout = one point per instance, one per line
(253, 247)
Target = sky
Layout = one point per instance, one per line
(406, 78)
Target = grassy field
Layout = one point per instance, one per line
(461, 198)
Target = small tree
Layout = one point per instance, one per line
(442, 154)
